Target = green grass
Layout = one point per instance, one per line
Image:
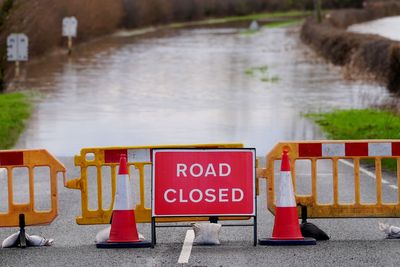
(282, 24)
(258, 16)
(248, 32)
(262, 73)
(274, 24)
(271, 15)
(360, 124)
(15, 109)
(256, 70)
(274, 79)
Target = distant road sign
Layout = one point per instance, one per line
(208, 182)
(70, 26)
(17, 47)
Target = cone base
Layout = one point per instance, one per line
(139, 244)
(286, 225)
(123, 227)
(298, 242)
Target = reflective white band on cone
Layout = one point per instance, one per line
(123, 196)
(285, 195)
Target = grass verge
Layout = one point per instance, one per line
(360, 124)
(270, 15)
(290, 16)
(284, 23)
(15, 109)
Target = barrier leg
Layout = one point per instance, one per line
(309, 229)
(22, 237)
(303, 214)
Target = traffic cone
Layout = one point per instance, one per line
(286, 227)
(123, 233)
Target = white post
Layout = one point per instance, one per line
(69, 45)
(17, 69)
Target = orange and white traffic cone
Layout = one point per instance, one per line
(286, 227)
(123, 233)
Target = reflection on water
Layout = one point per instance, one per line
(187, 86)
(387, 27)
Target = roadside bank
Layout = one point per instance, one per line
(363, 56)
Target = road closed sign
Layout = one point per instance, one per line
(203, 182)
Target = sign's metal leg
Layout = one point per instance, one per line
(153, 232)
(255, 231)
(213, 219)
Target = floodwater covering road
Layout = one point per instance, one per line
(388, 27)
(201, 85)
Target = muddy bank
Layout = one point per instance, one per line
(363, 56)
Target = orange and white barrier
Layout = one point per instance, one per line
(334, 155)
(286, 227)
(123, 232)
(349, 149)
(25, 164)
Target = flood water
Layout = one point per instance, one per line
(387, 27)
(202, 85)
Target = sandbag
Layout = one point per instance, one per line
(311, 230)
(206, 233)
(391, 231)
(31, 241)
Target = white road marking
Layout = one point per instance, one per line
(345, 162)
(366, 172)
(187, 247)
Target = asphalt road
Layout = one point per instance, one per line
(354, 242)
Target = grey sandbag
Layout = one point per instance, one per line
(206, 233)
(311, 230)
(31, 241)
(391, 231)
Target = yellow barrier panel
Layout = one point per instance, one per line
(140, 158)
(337, 152)
(13, 160)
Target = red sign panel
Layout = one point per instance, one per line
(208, 182)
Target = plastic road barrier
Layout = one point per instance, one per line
(104, 161)
(337, 152)
(12, 164)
